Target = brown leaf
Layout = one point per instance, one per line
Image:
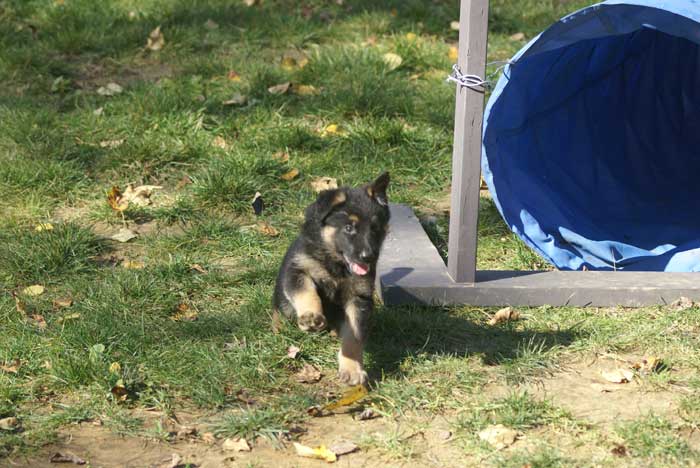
(619, 450)
(110, 89)
(682, 303)
(324, 183)
(618, 376)
(9, 424)
(155, 40)
(198, 268)
(62, 303)
(499, 436)
(133, 264)
(233, 76)
(208, 438)
(219, 142)
(124, 235)
(308, 374)
(292, 59)
(183, 313)
(183, 182)
(293, 352)
(141, 195)
(366, 414)
(111, 143)
(66, 458)
(11, 367)
(281, 156)
(290, 175)
(38, 320)
(116, 199)
(34, 290)
(504, 315)
(266, 229)
(319, 453)
(518, 36)
(281, 88)
(119, 391)
(236, 445)
(19, 305)
(343, 447)
(317, 412)
(649, 365)
(186, 432)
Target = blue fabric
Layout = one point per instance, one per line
(591, 144)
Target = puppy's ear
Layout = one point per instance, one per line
(377, 189)
(327, 201)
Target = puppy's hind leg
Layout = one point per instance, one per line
(307, 305)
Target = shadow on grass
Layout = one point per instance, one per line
(401, 332)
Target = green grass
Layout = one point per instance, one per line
(58, 163)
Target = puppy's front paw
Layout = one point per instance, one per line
(312, 321)
(351, 372)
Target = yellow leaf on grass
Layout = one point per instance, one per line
(62, 303)
(115, 368)
(267, 229)
(141, 195)
(219, 142)
(68, 317)
(332, 129)
(353, 395)
(304, 90)
(411, 36)
(392, 60)
(233, 76)
(34, 290)
(319, 453)
(43, 227)
(290, 175)
(155, 40)
(293, 59)
(38, 320)
(499, 436)
(133, 264)
(116, 199)
(454, 25)
(280, 88)
(453, 54)
(11, 367)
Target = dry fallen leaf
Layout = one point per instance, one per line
(290, 175)
(281, 156)
(411, 36)
(98, 112)
(38, 320)
(619, 450)
(294, 58)
(304, 90)
(43, 227)
(155, 40)
(9, 424)
(319, 453)
(183, 182)
(443, 434)
(66, 458)
(517, 36)
(173, 461)
(504, 315)
(324, 183)
(133, 264)
(236, 445)
(34, 290)
(280, 88)
(351, 396)
(332, 129)
(649, 365)
(65, 318)
(454, 25)
(110, 89)
(308, 374)
(343, 447)
(453, 54)
(237, 99)
(11, 367)
(141, 195)
(116, 199)
(208, 438)
(62, 303)
(367, 414)
(115, 368)
(682, 303)
(124, 235)
(19, 305)
(119, 391)
(198, 268)
(249, 3)
(267, 229)
(219, 142)
(499, 436)
(111, 143)
(184, 313)
(292, 352)
(392, 60)
(618, 376)
(233, 76)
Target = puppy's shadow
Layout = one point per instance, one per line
(399, 332)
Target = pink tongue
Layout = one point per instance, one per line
(359, 269)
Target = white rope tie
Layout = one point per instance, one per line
(475, 81)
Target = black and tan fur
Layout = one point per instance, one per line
(327, 276)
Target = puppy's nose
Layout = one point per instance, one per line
(367, 256)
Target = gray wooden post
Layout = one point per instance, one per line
(466, 155)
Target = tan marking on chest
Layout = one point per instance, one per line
(313, 268)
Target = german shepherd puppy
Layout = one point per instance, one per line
(327, 276)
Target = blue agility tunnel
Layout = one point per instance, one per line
(591, 143)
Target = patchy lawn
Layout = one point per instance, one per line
(163, 344)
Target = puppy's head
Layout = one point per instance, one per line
(352, 223)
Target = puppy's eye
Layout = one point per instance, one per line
(349, 228)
